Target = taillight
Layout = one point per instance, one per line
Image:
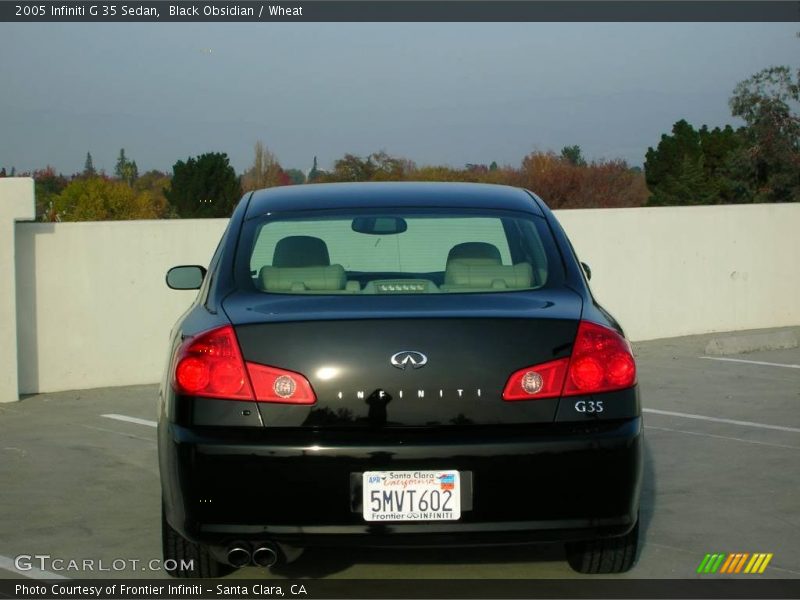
(542, 381)
(278, 385)
(211, 365)
(601, 361)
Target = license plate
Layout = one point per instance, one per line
(411, 496)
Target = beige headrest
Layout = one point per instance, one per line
(483, 276)
(298, 279)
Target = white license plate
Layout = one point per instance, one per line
(411, 496)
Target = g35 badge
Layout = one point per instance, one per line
(589, 406)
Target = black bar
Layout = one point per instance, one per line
(733, 587)
(404, 11)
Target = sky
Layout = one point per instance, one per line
(435, 93)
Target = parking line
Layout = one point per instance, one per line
(752, 362)
(721, 437)
(33, 573)
(131, 420)
(669, 413)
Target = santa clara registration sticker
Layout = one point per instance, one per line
(412, 496)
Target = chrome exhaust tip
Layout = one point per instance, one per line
(265, 556)
(238, 556)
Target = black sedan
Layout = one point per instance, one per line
(396, 364)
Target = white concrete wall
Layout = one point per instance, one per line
(92, 305)
(16, 204)
(94, 311)
(672, 271)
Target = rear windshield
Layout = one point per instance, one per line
(397, 253)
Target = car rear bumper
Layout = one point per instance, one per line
(555, 482)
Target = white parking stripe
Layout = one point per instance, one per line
(669, 413)
(752, 362)
(32, 572)
(131, 420)
(721, 437)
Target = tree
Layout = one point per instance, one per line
(314, 173)
(265, 171)
(205, 186)
(770, 158)
(156, 183)
(125, 169)
(101, 199)
(296, 176)
(47, 185)
(694, 167)
(378, 166)
(88, 167)
(572, 154)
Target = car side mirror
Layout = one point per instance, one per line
(587, 270)
(186, 277)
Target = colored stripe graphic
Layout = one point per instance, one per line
(765, 563)
(727, 564)
(703, 563)
(735, 563)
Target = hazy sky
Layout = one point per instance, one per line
(443, 93)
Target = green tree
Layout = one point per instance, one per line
(770, 158)
(88, 166)
(572, 154)
(125, 169)
(694, 167)
(205, 186)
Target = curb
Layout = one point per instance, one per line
(739, 344)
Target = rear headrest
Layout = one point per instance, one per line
(485, 276)
(301, 251)
(300, 279)
(475, 253)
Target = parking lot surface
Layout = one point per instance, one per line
(80, 481)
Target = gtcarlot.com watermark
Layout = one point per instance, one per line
(46, 562)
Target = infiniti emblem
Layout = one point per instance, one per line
(409, 357)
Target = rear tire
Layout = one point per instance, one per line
(190, 559)
(608, 555)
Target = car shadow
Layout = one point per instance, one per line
(322, 562)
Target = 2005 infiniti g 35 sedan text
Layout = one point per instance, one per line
(397, 364)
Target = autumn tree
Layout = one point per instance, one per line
(265, 171)
(205, 186)
(102, 199)
(155, 183)
(296, 176)
(47, 185)
(378, 166)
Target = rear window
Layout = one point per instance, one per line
(396, 253)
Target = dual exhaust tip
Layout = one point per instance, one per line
(264, 555)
